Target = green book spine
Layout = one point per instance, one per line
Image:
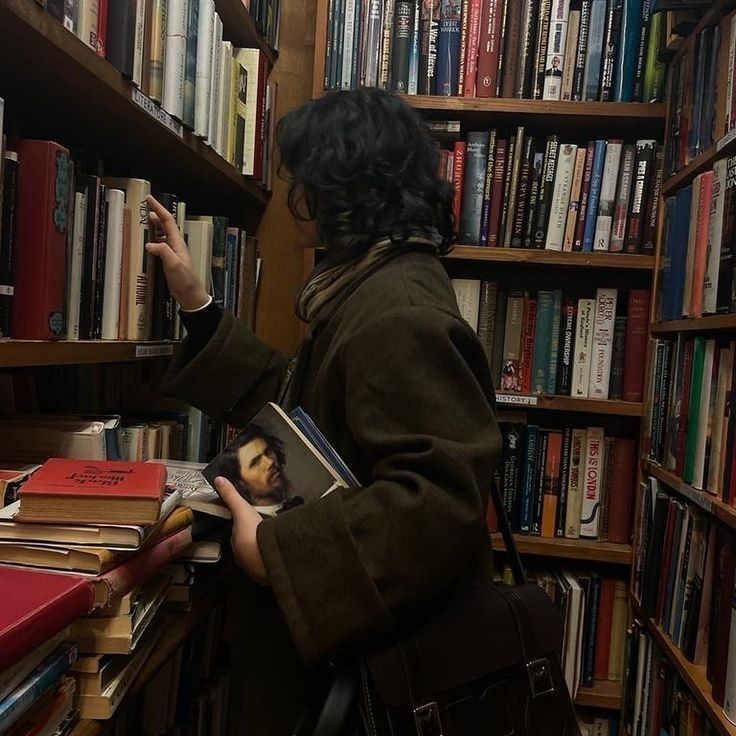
(655, 70)
(543, 341)
(696, 390)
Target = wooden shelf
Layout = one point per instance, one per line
(603, 694)
(569, 549)
(177, 629)
(240, 27)
(711, 504)
(14, 353)
(569, 403)
(695, 680)
(703, 324)
(526, 256)
(56, 87)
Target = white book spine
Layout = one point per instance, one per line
(199, 241)
(578, 449)
(590, 511)
(175, 55)
(554, 66)
(467, 292)
(202, 86)
(561, 197)
(583, 347)
(248, 59)
(213, 132)
(715, 232)
(76, 266)
(706, 403)
(600, 364)
(140, 22)
(731, 60)
(606, 205)
(348, 40)
(226, 68)
(115, 199)
(716, 448)
(89, 14)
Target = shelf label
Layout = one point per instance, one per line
(154, 351)
(156, 112)
(697, 497)
(516, 399)
(722, 142)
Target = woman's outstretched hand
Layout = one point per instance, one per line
(169, 246)
(245, 522)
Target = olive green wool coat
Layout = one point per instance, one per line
(401, 387)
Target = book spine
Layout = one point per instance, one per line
(606, 204)
(623, 191)
(522, 196)
(485, 214)
(652, 211)
(631, 22)
(594, 195)
(458, 172)
(542, 341)
(554, 343)
(611, 43)
(176, 44)
(387, 35)
(622, 491)
(571, 49)
(700, 250)
(499, 170)
(139, 22)
(8, 233)
(345, 44)
(202, 87)
(556, 50)
(726, 281)
(489, 48)
(512, 345)
(190, 64)
(525, 62)
(594, 459)
(594, 52)
(567, 338)
(400, 57)
(537, 170)
(487, 315)
(605, 314)
(476, 161)
(448, 48)
(616, 388)
(560, 197)
(551, 487)
(473, 47)
(503, 222)
(575, 483)
(158, 51)
(513, 188)
(636, 217)
(575, 194)
(545, 191)
(542, 40)
(538, 491)
(510, 48)
(464, 19)
(715, 231)
(430, 23)
(582, 216)
(582, 50)
(527, 345)
(113, 264)
(565, 459)
(529, 479)
(583, 348)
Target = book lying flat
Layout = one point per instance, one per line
(88, 492)
(274, 465)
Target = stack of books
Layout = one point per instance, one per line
(524, 191)
(571, 482)
(546, 343)
(99, 282)
(585, 50)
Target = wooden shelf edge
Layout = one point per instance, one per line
(694, 678)
(240, 27)
(17, 353)
(603, 694)
(573, 549)
(569, 403)
(701, 324)
(526, 256)
(711, 504)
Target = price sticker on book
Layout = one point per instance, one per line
(516, 399)
(154, 351)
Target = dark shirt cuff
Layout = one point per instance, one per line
(200, 326)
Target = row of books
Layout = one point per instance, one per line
(525, 192)
(174, 54)
(593, 610)
(546, 343)
(74, 263)
(571, 482)
(699, 265)
(533, 49)
(691, 424)
(703, 105)
(656, 700)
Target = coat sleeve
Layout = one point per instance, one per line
(231, 377)
(420, 407)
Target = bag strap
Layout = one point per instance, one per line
(508, 538)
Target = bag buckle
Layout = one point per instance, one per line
(540, 677)
(427, 720)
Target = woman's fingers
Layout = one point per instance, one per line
(164, 221)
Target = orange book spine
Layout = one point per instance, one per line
(551, 484)
(701, 244)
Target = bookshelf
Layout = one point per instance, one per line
(720, 323)
(570, 404)
(603, 694)
(569, 549)
(533, 258)
(16, 353)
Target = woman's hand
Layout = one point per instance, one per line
(245, 522)
(170, 247)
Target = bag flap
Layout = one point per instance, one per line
(472, 634)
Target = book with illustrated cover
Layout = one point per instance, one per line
(273, 464)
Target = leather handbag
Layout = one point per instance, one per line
(484, 662)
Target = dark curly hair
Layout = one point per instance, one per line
(230, 464)
(363, 165)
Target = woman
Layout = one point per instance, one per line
(396, 380)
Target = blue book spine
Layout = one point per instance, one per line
(530, 479)
(554, 348)
(613, 727)
(594, 197)
(448, 48)
(36, 684)
(594, 56)
(670, 207)
(542, 341)
(627, 51)
(679, 248)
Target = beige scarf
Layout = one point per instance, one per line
(326, 282)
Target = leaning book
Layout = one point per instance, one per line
(274, 465)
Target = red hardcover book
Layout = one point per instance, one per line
(45, 185)
(102, 28)
(635, 349)
(551, 489)
(471, 53)
(458, 172)
(623, 480)
(722, 632)
(603, 629)
(464, 28)
(489, 48)
(577, 243)
(680, 439)
(527, 345)
(36, 605)
(499, 171)
(93, 492)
